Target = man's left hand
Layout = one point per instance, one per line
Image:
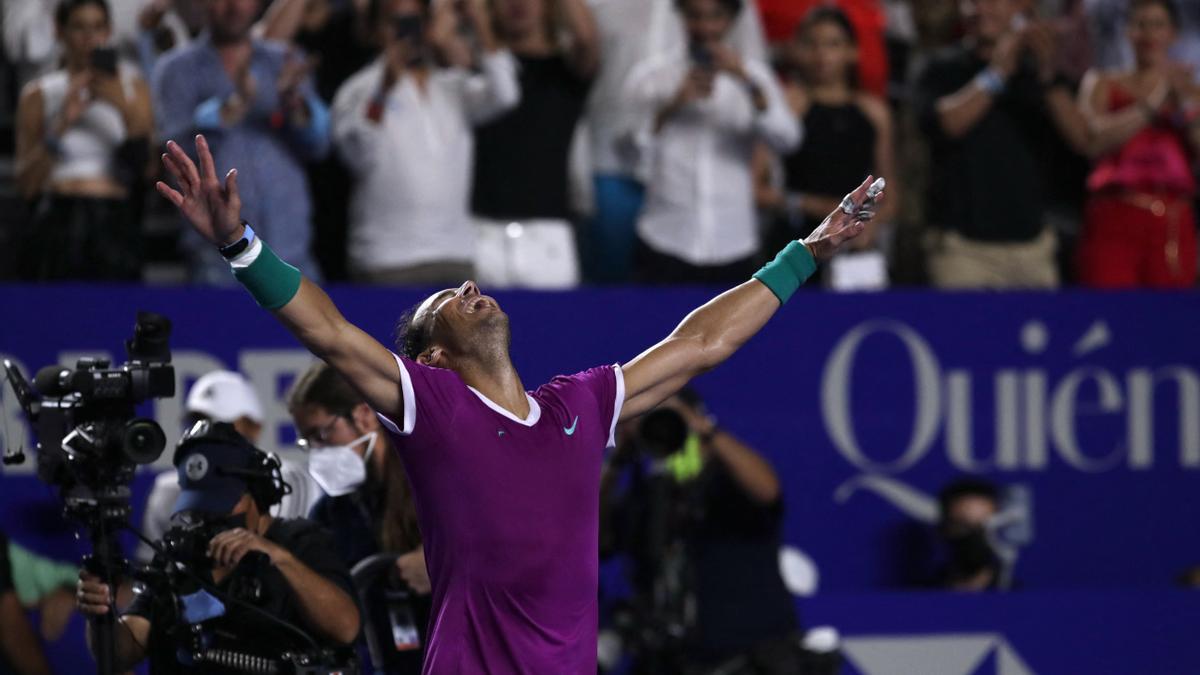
(840, 226)
(228, 548)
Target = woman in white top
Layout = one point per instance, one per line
(82, 140)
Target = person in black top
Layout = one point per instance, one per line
(368, 507)
(285, 568)
(848, 134)
(988, 107)
(521, 158)
(719, 503)
(20, 651)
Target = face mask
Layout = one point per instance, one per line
(338, 469)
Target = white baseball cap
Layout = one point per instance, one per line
(224, 396)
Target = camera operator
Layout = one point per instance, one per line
(223, 396)
(727, 506)
(286, 567)
(368, 507)
(972, 563)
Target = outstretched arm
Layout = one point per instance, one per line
(214, 211)
(717, 329)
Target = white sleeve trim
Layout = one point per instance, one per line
(410, 403)
(620, 401)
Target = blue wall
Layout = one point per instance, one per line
(866, 405)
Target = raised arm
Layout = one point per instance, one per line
(717, 329)
(300, 305)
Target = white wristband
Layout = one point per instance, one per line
(247, 257)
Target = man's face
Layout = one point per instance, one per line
(460, 320)
(968, 513)
(231, 20)
(706, 21)
(990, 19)
(320, 428)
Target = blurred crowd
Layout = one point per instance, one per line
(549, 143)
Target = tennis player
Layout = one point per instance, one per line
(505, 480)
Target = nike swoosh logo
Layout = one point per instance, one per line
(499, 433)
(570, 431)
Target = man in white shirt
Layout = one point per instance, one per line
(701, 111)
(224, 396)
(630, 32)
(404, 128)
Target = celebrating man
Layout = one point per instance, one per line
(505, 481)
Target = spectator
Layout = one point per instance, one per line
(223, 396)
(703, 110)
(404, 126)
(253, 101)
(337, 33)
(368, 505)
(630, 31)
(782, 19)
(967, 505)
(82, 134)
(20, 650)
(521, 158)
(1139, 227)
(29, 40)
(987, 106)
(849, 135)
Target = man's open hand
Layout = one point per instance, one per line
(840, 227)
(213, 209)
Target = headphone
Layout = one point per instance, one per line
(263, 478)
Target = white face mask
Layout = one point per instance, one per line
(338, 469)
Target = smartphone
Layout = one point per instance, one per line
(104, 59)
(702, 57)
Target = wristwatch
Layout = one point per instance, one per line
(235, 249)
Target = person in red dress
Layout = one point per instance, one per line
(1139, 227)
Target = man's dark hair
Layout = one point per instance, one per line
(322, 385)
(734, 7)
(967, 487)
(828, 14)
(62, 13)
(1168, 6)
(412, 338)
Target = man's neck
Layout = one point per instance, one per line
(496, 378)
(232, 51)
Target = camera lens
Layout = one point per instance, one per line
(144, 441)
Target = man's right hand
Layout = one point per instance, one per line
(92, 597)
(213, 210)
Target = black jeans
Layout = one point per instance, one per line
(81, 238)
(653, 267)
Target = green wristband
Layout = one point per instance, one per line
(271, 281)
(792, 267)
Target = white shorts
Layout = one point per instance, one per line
(536, 253)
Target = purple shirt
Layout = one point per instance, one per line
(509, 513)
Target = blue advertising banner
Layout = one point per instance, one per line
(1087, 406)
(866, 405)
